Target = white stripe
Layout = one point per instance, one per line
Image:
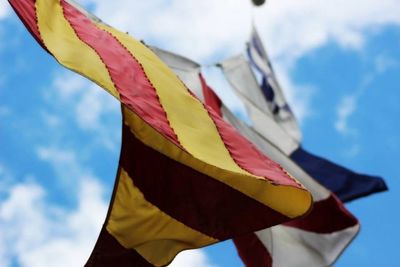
(286, 119)
(242, 79)
(240, 76)
(293, 247)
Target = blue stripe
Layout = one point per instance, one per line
(346, 184)
(267, 90)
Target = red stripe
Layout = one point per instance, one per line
(241, 150)
(253, 252)
(26, 11)
(108, 252)
(210, 96)
(327, 216)
(135, 89)
(191, 197)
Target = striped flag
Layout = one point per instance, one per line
(272, 118)
(315, 240)
(186, 179)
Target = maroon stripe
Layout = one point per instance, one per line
(327, 216)
(191, 197)
(108, 252)
(135, 89)
(26, 11)
(252, 251)
(244, 153)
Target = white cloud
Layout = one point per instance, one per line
(384, 63)
(90, 101)
(4, 111)
(195, 258)
(295, 28)
(202, 28)
(69, 85)
(36, 233)
(194, 28)
(6, 178)
(352, 151)
(91, 205)
(64, 163)
(4, 9)
(345, 109)
(51, 120)
(348, 104)
(209, 30)
(90, 107)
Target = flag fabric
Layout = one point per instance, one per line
(345, 183)
(273, 94)
(182, 183)
(319, 238)
(244, 83)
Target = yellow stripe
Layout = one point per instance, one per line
(187, 115)
(61, 40)
(195, 129)
(290, 201)
(139, 225)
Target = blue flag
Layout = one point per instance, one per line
(346, 184)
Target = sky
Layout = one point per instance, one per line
(338, 62)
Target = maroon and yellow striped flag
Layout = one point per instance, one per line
(186, 178)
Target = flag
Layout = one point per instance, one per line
(347, 184)
(319, 238)
(244, 83)
(272, 117)
(274, 97)
(182, 183)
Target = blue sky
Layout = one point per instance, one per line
(60, 135)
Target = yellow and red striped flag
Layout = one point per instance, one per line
(186, 178)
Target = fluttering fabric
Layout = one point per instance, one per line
(186, 178)
(316, 240)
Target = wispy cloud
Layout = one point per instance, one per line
(348, 104)
(294, 28)
(353, 151)
(4, 9)
(192, 258)
(4, 111)
(346, 108)
(90, 102)
(86, 106)
(64, 163)
(384, 62)
(6, 178)
(202, 29)
(36, 233)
